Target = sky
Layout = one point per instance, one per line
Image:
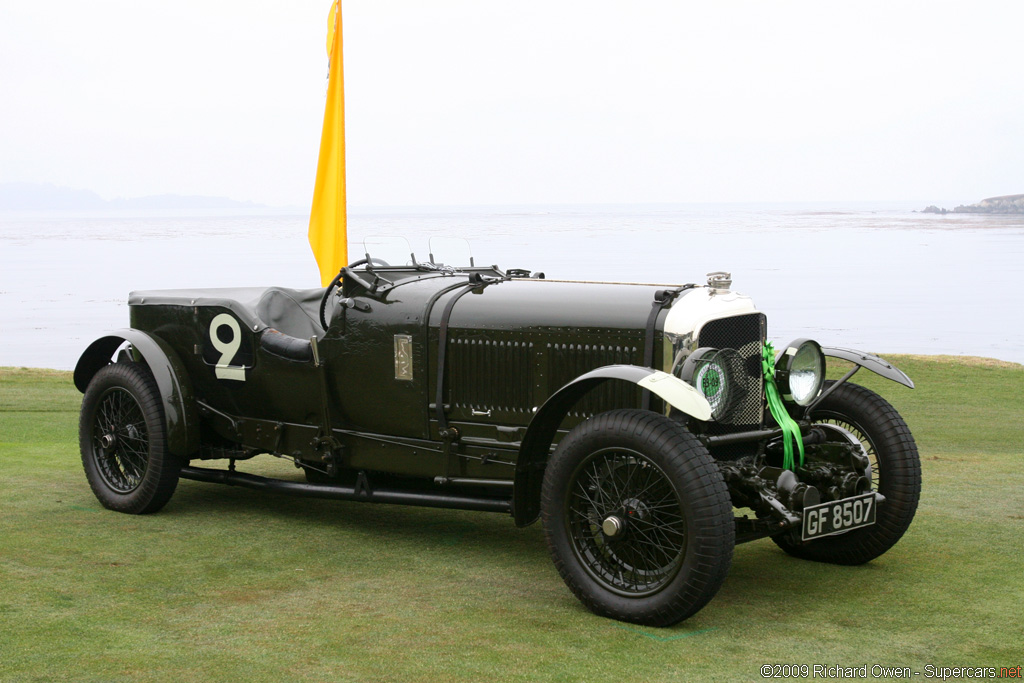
(460, 102)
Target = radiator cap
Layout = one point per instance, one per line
(719, 281)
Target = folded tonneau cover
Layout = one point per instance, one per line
(295, 312)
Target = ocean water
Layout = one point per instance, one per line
(871, 276)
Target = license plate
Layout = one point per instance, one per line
(838, 516)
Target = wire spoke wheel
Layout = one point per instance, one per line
(626, 522)
(123, 439)
(865, 442)
(895, 473)
(637, 518)
(120, 440)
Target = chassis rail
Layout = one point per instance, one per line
(362, 491)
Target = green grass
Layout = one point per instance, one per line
(231, 584)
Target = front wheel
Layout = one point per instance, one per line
(123, 439)
(637, 518)
(896, 474)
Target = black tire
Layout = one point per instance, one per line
(896, 474)
(671, 544)
(123, 438)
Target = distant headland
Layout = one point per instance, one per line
(39, 196)
(1008, 204)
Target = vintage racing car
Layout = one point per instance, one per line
(651, 428)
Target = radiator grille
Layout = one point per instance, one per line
(490, 375)
(745, 333)
(566, 362)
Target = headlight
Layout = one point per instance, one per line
(713, 373)
(800, 371)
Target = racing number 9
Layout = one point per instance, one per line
(228, 349)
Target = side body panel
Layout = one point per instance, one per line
(511, 344)
(244, 380)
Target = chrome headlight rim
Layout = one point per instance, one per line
(797, 359)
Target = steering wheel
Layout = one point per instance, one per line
(337, 278)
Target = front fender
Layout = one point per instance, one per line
(171, 379)
(870, 361)
(533, 452)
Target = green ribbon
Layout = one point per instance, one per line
(790, 429)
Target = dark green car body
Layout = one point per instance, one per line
(512, 342)
(454, 387)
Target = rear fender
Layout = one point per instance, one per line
(536, 445)
(171, 379)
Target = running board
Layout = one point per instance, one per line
(361, 492)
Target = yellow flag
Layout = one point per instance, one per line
(328, 234)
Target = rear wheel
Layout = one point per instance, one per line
(896, 474)
(123, 439)
(637, 518)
